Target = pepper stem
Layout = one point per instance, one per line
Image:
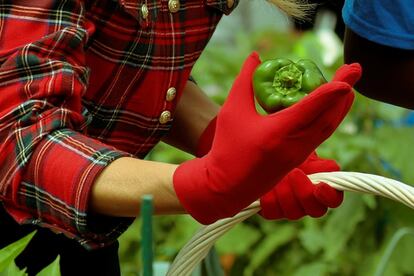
(287, 79)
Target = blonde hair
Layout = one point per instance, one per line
(299, 9)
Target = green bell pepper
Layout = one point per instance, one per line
(279, 83)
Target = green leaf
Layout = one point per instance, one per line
(311, 237)
(10, 252)
(238, 240)
(391, 139)
(184, 229)
(312, 269)
(368, 266)
(370, 201)
(309, 46)
(341, 225)
(53, 269)
(282, 235)
(13, 270)
(401, 255)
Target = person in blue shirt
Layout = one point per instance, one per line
(380, 36)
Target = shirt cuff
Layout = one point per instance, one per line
(55, 189)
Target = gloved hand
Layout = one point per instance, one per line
(251, 152)
(206, 139)
(295, 196)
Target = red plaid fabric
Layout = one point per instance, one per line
(81, 84)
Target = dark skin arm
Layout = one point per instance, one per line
(388, 73)
(194, 112)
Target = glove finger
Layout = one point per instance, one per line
(315, 118)
(349, 73)
(291, 207)
(270, 207)
(328, 196)
(335, 117)
(206, 139)
(313, 156)
(325, 97)
(319, 165)
(241, 95)
(304, 192)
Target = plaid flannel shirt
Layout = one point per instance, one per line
(83, 83)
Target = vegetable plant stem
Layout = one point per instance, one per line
(146, 235)
(390, 249)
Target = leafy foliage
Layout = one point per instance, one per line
(349, 240)
(10, 252)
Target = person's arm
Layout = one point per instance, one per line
(119, 188)
(388, 72)
(193, 114)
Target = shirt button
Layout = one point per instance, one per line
(173, 5)
(171, 92)
(144, 11)
(165, 117)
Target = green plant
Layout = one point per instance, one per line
(10, 252)
(349, 240)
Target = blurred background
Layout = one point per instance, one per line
(374, 138)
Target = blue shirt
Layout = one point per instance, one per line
(386, 22)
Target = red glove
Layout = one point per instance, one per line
(206, 139)
(247, 147)
(296, 196)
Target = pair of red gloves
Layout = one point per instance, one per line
(266, 157)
